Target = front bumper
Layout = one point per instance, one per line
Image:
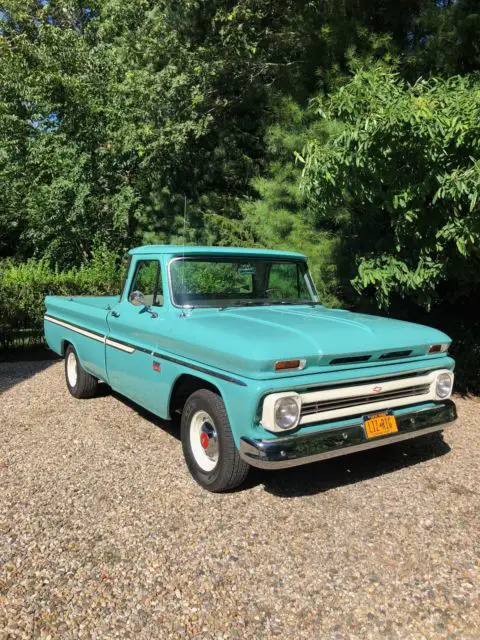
(297, 449)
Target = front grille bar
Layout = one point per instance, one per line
(410, 375)
(341, 403)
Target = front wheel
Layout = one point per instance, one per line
(208, 446)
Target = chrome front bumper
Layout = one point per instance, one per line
(297, 449)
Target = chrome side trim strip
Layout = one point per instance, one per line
(130, 348)
(89, 334)
(195, 367)
(119, 345)
(93, 335)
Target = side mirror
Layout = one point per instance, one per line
(137, 298)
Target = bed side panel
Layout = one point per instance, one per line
(82, 325)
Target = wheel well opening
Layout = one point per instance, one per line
(64, 345)
(184, 386)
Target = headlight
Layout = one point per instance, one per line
(444, 385)
(281, 411)
(286, 413)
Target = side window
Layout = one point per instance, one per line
(148, 280)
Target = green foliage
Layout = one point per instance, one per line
(112, 113)
(115, 114)
(23, 287)
(444, 39)
(401, 181)
(279, 217)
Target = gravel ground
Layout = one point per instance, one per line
(104, 534)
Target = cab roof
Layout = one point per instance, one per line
(180, 250)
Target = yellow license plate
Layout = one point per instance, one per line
(380, 424)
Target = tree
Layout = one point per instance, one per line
(279, 216)
(114, 113)
(400, 180)
(444, 39)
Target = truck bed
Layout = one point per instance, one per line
(100, 302)
(79, 320)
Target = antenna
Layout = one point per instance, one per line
(184, 220)
(183, 252)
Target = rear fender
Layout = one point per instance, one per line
(90, 353)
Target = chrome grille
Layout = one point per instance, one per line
(342, 403)
(408, 377)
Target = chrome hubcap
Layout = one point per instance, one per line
(72, 369)
(204, 440)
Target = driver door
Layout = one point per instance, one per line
(134, 333)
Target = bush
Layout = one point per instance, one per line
(23, 287)
(399, 179)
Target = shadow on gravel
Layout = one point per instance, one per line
(289, 483)
(322, 476)
(172, 427)
(15, 372)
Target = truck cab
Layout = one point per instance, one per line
(237, 344)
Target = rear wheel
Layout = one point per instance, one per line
(80, 383)
(208, 446)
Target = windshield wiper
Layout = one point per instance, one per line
(244, 303)
(264, 303)
(311, 303)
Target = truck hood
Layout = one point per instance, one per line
(250, 340)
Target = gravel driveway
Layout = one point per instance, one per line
(104, 534)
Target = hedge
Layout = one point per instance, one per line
(23, 287)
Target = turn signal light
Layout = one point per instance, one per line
(438, 348)
(285, 365)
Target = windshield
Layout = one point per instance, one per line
(219, 282)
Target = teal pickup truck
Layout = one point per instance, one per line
(237, 343)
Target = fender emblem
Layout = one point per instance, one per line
(377, 389)
(156, 366)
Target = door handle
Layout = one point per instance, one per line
(115, 314)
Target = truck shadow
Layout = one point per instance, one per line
(338, 472)
(172, 427)
(17, 370)
(318, 477)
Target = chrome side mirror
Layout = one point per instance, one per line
(137, 298)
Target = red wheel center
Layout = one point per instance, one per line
(204, 440)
